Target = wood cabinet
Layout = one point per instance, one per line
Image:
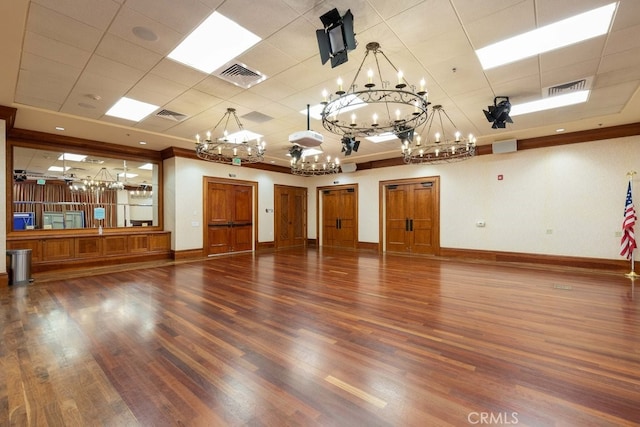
(55, 252)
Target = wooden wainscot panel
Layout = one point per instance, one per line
(88, 247)
(34, 244)
(138, 243)
(160, 242)
(115, 245)
(58, 249)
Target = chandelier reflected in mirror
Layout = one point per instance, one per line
(102, 181)
(375, 105)
(306, 163)
(239, 147)
(438, 146)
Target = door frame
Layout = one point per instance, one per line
(382, 216)
(319, 224)
(206, 180)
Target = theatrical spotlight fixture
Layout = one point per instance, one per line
(375, 105)
(237, 148)
(311, 165)
(349, 144)
(499, 112)
(438, 147)
(336, 38)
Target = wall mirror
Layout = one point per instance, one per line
(59, 189)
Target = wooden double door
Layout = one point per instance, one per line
(412, 217)
(340, 217)
(229, 217)
(290, 216)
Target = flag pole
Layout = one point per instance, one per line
(632, 274)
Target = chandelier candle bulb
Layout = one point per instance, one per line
(325, 94)
(340, 90)
(370, 79)
(437, 136)
(353, 119)
(457, 136)
(375, 120)
(422, 85)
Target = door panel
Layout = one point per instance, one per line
(422, 215)
(396, 201)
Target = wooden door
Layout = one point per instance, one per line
(290, 216)
(229, 218)
(339, 217)
(411, 218)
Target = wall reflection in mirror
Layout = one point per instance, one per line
(69, 190)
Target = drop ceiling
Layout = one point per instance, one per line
(66, 62)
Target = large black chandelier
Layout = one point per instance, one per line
(237, 149)
(439, 146)
(375, 106)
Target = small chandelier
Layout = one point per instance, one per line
(377, 106)
(231, 149)
(301, 165)
(439, 148)
(101, 182)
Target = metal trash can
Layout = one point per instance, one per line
(19, 266)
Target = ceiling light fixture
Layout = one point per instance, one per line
(131, 109)
(439, 148)
(240, 147)
(563, 33)
(381, 106)
(336, 38)
(102, 181)
(550, 102)
(306, 164)
(215, 42)
(498, 113)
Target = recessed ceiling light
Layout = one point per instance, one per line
(550, 102)
(383, 137)
(544, 39)
(72, 157)
(243, 136)
(60, 128)
(130, 109)
(351, 102)
(560, 130)
(142, 143)
(146, 166)
(58, 168)
(215, 42)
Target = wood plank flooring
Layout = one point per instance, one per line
(322, 337)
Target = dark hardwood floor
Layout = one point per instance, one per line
(322, 337)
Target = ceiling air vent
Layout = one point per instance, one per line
(171, 115)
(239, 74)
(574, 86)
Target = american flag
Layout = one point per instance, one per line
(628, 242)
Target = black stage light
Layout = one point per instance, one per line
(404, 134)
(349, 144)
(498, 113)
(296, 153)
(336, 38)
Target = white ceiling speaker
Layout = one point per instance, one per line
(507, 146)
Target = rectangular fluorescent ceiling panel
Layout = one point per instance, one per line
(242, 136)
(563, 33)
(130, 109)
(127, 175)
(383, 137)
(550, 102)
(213, 43)
(146, 166)
(348, 103)
(72, 157)
(58, 168)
